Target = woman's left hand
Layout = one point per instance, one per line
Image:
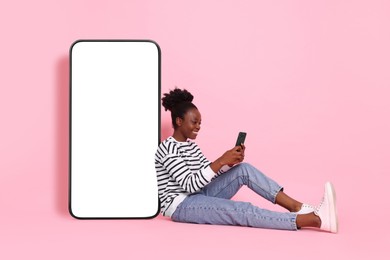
(242, 152)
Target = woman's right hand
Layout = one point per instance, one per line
(235, 155)
(230, 157)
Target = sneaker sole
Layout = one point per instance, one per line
(331, 194)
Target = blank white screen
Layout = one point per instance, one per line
(114, 129)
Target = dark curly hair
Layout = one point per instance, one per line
(178, 101)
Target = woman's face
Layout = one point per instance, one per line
(190, 125)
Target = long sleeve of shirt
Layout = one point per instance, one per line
(181, 169)
(190, 180)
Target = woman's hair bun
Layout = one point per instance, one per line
(175, 97)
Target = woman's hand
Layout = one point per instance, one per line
(230, 157)
(241, 149)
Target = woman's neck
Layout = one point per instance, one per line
(179, 137)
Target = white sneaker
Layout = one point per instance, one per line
(306, 209)
(327, 210)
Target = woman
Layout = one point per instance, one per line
(195, 190)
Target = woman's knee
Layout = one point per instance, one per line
(242, 169)
(246, 167)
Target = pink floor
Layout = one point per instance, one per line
(363, 234)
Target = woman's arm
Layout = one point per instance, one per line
(189, 180)
(193, 181)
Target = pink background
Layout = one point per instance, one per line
(308, 80)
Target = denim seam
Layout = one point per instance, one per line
(216, 195)
(272, 193)
(235, 211)
(276, 193)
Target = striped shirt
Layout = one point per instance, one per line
(181, 169)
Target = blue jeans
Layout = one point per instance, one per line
(212, 205)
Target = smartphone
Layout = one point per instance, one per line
(241, 138)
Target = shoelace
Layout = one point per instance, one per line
(319, 206)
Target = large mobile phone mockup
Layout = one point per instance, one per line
(114, 128)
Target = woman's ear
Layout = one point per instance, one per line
(179, 121)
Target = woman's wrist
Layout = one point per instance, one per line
(217, 165)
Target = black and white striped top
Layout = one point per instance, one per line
(181, 169)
